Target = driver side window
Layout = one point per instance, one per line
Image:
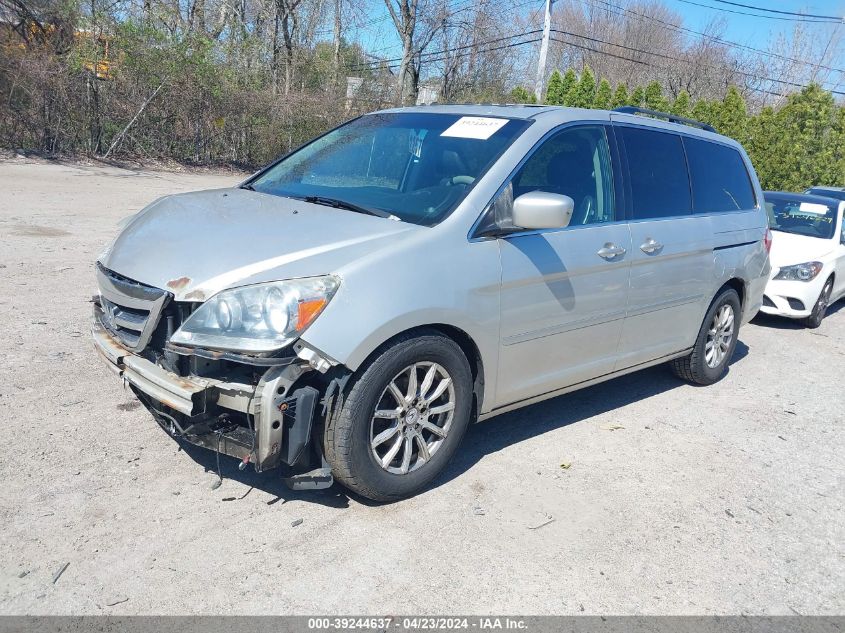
(574, 162)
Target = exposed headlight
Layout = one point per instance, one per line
(259, 318)
(800, 272)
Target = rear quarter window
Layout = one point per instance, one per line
(720, 180)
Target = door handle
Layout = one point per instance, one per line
(651, 246)
(610, 251)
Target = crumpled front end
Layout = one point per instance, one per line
(259, 409)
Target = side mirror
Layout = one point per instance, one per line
(542, 210)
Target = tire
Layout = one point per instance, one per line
(352, 427)
(820, 308)
(699, 367)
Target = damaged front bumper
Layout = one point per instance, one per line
(205, 411)
(185, 395)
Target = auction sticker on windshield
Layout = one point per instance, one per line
(811, 207)
(479, 127)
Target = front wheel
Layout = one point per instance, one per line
(820, 308)
(715, 343)
(401, 419)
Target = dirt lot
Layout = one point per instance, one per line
(724, 499)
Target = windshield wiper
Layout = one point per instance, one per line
(350, 206)
(248, 187)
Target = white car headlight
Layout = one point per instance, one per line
(259, 318)
(800, 272)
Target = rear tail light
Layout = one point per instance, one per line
(767, 240)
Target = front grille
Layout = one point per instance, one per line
(130, 310)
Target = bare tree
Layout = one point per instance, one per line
(806, 54)
(404, 16)
(417, 25)
(285, 26)
(477, 56)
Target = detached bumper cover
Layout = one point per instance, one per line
(283, 418)
(186, 395)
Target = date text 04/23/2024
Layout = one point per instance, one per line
(422, 623)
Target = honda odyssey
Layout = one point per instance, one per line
(347, 311)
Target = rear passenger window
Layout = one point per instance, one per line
(720, 181)
(659, 181)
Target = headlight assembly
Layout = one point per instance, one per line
(800, 272)
(259, 318)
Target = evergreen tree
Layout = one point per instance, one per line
(583, 93)
(701, 111)
(801, 153)
(570, 80)
(681, 106)
(637, 97)
(620, 96)
(654, 99)
(762, 134)
(603, 95)
(731, 117)
(800, 144)
(838, 142)
(521, 95)
(554, 91)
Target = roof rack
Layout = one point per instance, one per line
(665, 115)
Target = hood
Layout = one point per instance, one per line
(197, 244)
(789, 249)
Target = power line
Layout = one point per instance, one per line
(487, 50)
(431, 57)
(675, 59)
(713, 38)
(804, 15)
(627, 48)
(601, 52)
(425, 57)
(447, 53)
(671, 58)
(465, 6)
(449, 50)
(757, 15)
(639, 61)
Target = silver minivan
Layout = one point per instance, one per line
(346, 312)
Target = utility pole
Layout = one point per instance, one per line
(544, 50)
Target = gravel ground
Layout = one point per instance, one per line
(719, 500)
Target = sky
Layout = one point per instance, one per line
(747, 29)
(379, 36)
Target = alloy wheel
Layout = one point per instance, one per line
(719, 336)
(412, 417)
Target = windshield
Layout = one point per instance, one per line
(416, 166)
(813, 219)
(830, 193)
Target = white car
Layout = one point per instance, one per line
(807, 256)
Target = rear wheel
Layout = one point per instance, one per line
(820, 308)
(715, 343)
(401, 419)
